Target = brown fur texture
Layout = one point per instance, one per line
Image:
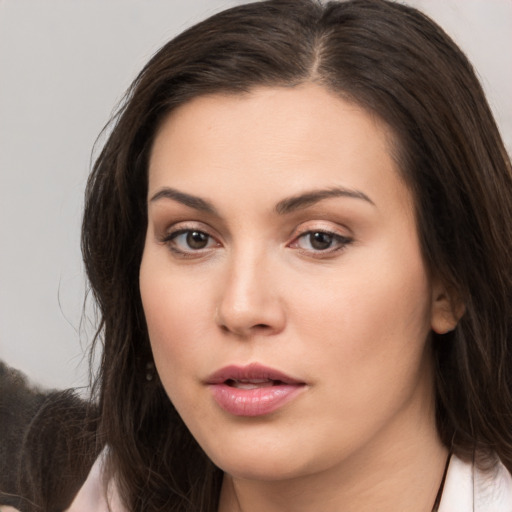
(47, 444)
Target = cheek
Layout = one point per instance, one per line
(371, 324)
(367, 332)
(175, 314)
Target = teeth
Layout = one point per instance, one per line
(246, 385)
(251, 384)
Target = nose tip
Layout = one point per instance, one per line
(249, 306)
(250, 320)
(243, 326)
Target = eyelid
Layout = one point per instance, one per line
(323, 227)
(308, 228)
(184, 226)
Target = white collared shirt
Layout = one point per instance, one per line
(468, 489)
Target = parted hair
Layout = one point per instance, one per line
(397, 64)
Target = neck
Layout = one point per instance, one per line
(402, 470)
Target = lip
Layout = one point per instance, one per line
(273, 389)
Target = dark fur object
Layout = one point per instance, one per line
(47, 444)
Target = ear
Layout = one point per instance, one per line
(447, 308)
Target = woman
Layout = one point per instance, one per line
(298, 237)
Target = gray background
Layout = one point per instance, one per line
(64, 64)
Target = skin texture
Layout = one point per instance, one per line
(351, 321)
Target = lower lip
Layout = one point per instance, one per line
(254, 402)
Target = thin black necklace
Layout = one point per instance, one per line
(439, 495)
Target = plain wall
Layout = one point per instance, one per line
(64, 64)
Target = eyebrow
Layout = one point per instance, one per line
(307, 199)
(188, 200)
(283, 207)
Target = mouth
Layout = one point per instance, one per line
(252, 374)
(252, 383)
(252, 390)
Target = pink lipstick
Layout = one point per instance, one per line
(252, 390)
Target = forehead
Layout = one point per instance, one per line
(273, 138)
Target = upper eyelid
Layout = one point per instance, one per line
(325, 232)
(319, 226)
(297, 231)
(184, 226)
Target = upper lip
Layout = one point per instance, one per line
(253, 371)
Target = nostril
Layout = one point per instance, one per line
(243, 331)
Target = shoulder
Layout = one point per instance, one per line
(469, 488)
(96, 493)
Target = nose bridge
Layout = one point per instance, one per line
(249, 301)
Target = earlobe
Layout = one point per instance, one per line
(447, 310)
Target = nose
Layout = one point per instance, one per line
(250, 303)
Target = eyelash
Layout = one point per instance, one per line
(170, 241)
(340, 241)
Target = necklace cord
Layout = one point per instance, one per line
(439, 494)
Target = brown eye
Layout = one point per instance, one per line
(189, 241)
(320, 241)
(197, 239)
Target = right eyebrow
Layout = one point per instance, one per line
(191, 201)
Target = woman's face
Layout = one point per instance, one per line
(287, 301)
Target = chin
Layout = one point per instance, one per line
(263, 468)
(264, 460)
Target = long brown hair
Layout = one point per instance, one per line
(394, 62)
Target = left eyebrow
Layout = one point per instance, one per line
(306, 199)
